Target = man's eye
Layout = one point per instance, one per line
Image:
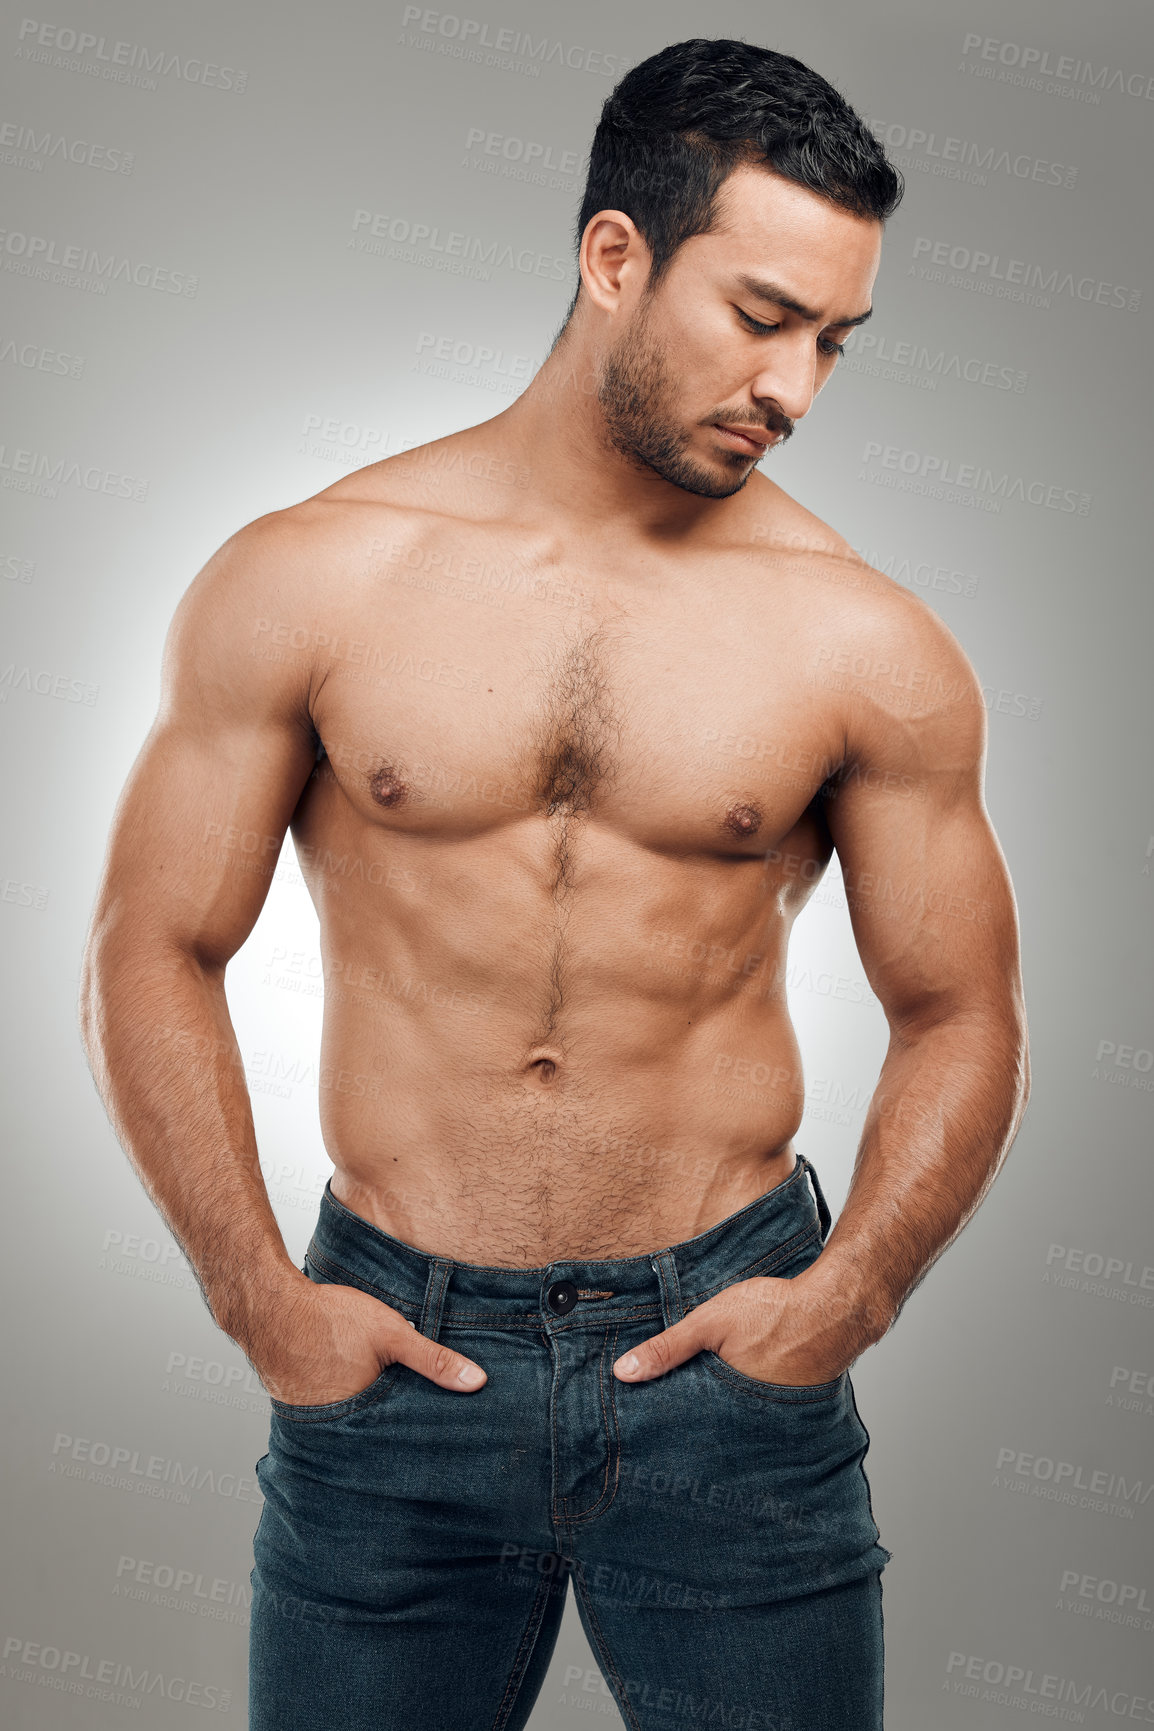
(825, 344)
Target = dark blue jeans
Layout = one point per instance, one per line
(416, 1546)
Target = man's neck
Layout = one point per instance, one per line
(556, 430)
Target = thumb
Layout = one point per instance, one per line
(439, 1363)
(661, 1352)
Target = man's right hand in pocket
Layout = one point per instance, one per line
(313, 1344)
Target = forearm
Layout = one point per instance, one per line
(165, 1059)
(942, 1119)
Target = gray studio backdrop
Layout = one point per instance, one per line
(248, 248)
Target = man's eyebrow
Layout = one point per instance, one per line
(771, 291)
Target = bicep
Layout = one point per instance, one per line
(926, 882)
(204, 812)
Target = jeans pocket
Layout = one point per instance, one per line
(335, 1409)
(785, 1263)
(790, 1394)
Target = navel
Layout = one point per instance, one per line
(387, 788)
(543, 1066)
(743, 820)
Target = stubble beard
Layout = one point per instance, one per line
(636, 395)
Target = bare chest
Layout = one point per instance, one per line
(685, 725)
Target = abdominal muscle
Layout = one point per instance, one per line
(505, 1086)
(545, 1158)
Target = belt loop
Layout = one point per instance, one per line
(823, 1213)
(439, 1272)
(665, 1268)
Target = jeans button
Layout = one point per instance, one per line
(561, 1297)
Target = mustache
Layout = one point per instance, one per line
(775, 422)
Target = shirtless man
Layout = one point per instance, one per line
(567, 713)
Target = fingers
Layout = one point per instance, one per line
(439, 1363)
(662, 1351)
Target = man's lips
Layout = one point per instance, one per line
(757, 439)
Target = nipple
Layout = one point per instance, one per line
(743, 819)
(387, 788)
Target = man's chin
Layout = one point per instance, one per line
(712, 484)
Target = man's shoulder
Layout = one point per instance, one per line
(462, 476)
(874, 648)
(337, 520)
(781, 524)
(854, 603)
(305, 548)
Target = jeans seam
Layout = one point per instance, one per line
(350, 1278)
(457, 1318)
(865, 1475)
(612, 1438)
(624, 1704)
(556, 1501)
(524, 1653)
(771, 1260)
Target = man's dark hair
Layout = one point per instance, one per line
(680, 122)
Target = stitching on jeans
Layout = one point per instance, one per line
(320, 1260)
(487, 1319)
(864, 1474)
(615, 1440)
(785, 1394)
(641, 1312)
(434, 1303)
(457, 1318)
(772, 1258)
(337, 1408)
(611, 1443)
(665, 1268)
(624, 1705)
(524, 1654)
(556, 1501)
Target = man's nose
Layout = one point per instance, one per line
(789, 381)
